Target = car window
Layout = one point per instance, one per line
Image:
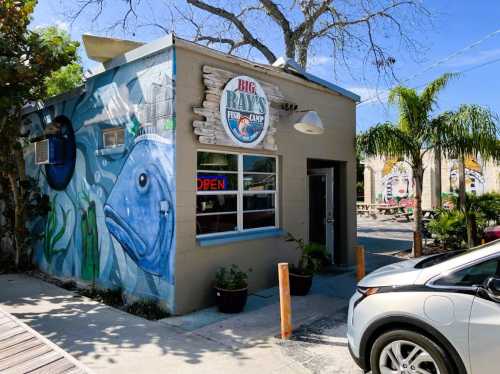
(472, 275)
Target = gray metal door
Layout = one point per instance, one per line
(321, 209)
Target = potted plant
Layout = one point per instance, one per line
(231, 289)
(313, 258)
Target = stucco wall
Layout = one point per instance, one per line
(195, 265)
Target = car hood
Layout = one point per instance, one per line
(398, 274)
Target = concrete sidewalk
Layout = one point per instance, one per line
(108, 340)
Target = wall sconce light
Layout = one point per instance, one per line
(309, 123)
(304, 121)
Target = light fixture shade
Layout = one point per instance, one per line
(310, 123)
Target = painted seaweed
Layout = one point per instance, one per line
(52, 234)
(90, 241)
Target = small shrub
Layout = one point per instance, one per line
(313, 257)
(148, 309)
(449, 227)
(112, 297)
(231, 278)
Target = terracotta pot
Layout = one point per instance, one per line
(230, 301)
(300, 284)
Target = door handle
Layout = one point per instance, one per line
(329, 220)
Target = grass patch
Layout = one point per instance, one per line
(148, 309)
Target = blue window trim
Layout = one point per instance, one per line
(222, 239)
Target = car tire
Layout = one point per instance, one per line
(406, 341)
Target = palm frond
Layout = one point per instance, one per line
(429, 94)
(472, 130)
(387, 140)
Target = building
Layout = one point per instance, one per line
(389, 180)
(176, 159)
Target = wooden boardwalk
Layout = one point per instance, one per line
(23, 350)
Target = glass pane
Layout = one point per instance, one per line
(259, 182)
(471, 276)
(259, 164)
(216, 223)
(109, 139)
(217, 161)
(215, 203)
(120, 136)
(216, 182)
(258, 201)
(258, 219)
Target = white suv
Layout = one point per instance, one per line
(433, 315)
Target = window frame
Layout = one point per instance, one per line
(432, 283)
(240, 193)
(115, 131)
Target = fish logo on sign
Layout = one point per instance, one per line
(244, 111)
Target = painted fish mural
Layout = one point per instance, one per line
(140, 209)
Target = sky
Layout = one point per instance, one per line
(464, 37)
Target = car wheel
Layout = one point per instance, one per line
(407, 352)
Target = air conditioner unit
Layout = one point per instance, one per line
(49, 151)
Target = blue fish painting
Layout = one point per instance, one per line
(139, 211)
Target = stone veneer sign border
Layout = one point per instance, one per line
(211, 130)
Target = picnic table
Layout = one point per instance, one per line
(385, 209)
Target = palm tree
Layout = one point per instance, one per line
(410, 139)
(470, 131)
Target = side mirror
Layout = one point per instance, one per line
(492, 287)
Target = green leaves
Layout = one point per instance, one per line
(471, 130)
(231, 278)
(64, 79)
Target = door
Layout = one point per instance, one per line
(484, 326)
(321, 221)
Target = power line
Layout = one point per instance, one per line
(446, 59)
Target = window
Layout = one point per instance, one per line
(474, 275)
(235, 192)
(112, 138)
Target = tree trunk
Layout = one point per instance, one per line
(418, 174)
(18, 217)
(439, 189)
(461, 182)
(471, 230)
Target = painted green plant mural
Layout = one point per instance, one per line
(54, 231)
(90, 240)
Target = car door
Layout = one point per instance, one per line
(483, 316)
(484, 328)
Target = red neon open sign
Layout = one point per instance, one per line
(211, 183)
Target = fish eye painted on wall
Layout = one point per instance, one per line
(244, 110)
(113, 223)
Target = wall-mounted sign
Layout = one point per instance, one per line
(211, 183)
(244, 111)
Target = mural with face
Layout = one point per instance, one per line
(396, 180)
(474, 179)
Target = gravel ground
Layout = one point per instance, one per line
(321, 347)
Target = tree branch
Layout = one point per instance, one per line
(247, 36)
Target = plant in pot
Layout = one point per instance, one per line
(231, 289)
(313, 257)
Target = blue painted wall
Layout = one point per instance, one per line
(114, 223)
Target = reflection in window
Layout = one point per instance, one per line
(472, 276)
(222, 205)
(216, 223)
